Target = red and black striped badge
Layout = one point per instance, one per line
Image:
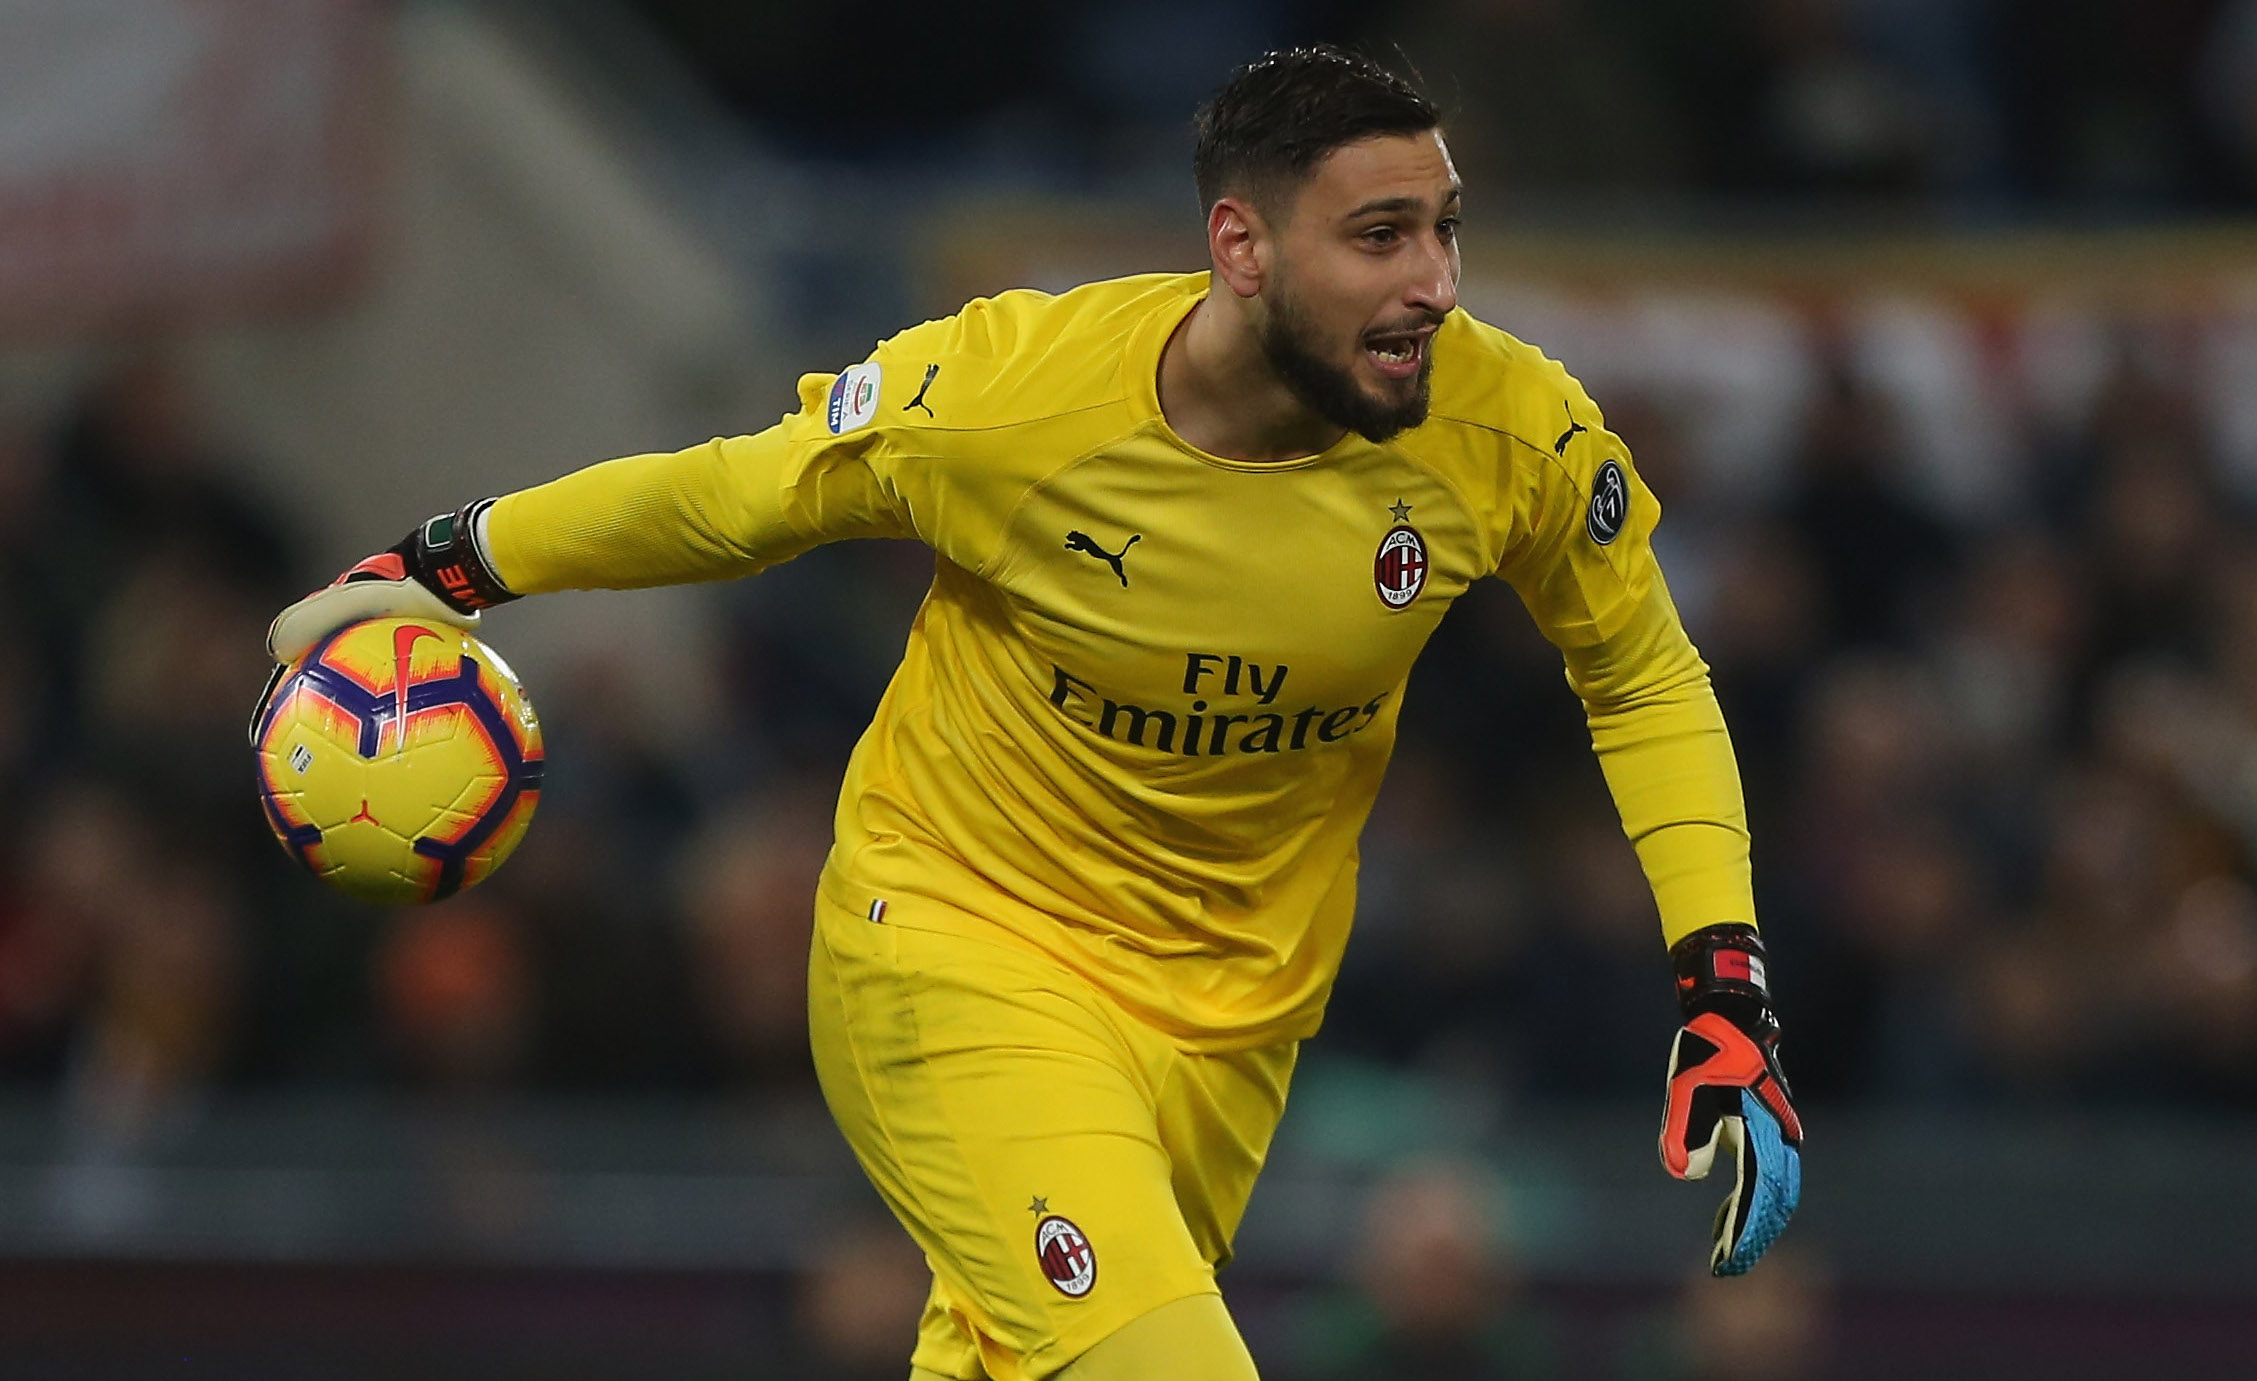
(1399, 570)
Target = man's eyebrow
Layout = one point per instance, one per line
(1386, 204)
(1380, 204)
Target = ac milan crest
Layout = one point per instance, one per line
(1067, 1259)
(1400, 568)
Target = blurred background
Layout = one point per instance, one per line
(1932, 322)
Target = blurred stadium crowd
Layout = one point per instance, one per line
(2000, 750)
(2000, 769)
(1985, 105)
(2000, 777)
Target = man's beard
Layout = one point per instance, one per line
(1330, 391)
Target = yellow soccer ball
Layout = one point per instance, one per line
(399, 760)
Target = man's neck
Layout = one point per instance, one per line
(1219, 393)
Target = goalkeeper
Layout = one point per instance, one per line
(1096, 855)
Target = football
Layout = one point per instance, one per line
(399, 760)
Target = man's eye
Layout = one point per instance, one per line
(1381, 234)
(1447, 228)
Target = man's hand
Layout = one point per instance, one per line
(436, 572)
(1726, 1091)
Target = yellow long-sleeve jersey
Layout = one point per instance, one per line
(1145, 708)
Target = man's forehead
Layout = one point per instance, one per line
(1383, 172)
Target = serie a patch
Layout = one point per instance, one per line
(854, 397)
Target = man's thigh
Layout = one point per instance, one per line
(1010, 1117)
(1217, 1115)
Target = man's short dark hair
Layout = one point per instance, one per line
(1280, 114)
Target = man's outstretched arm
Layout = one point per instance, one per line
(726, 508)
(1667, 756)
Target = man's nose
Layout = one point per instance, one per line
(1435, 287)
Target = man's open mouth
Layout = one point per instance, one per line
(1399, 354)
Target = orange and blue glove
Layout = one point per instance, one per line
(1726, 1092)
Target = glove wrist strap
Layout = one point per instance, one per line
(444, 554)
(1723, 968)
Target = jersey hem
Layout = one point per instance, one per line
(921, 911)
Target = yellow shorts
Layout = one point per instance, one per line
(1065, 1168)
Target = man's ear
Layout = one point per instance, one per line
(1238, 240)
